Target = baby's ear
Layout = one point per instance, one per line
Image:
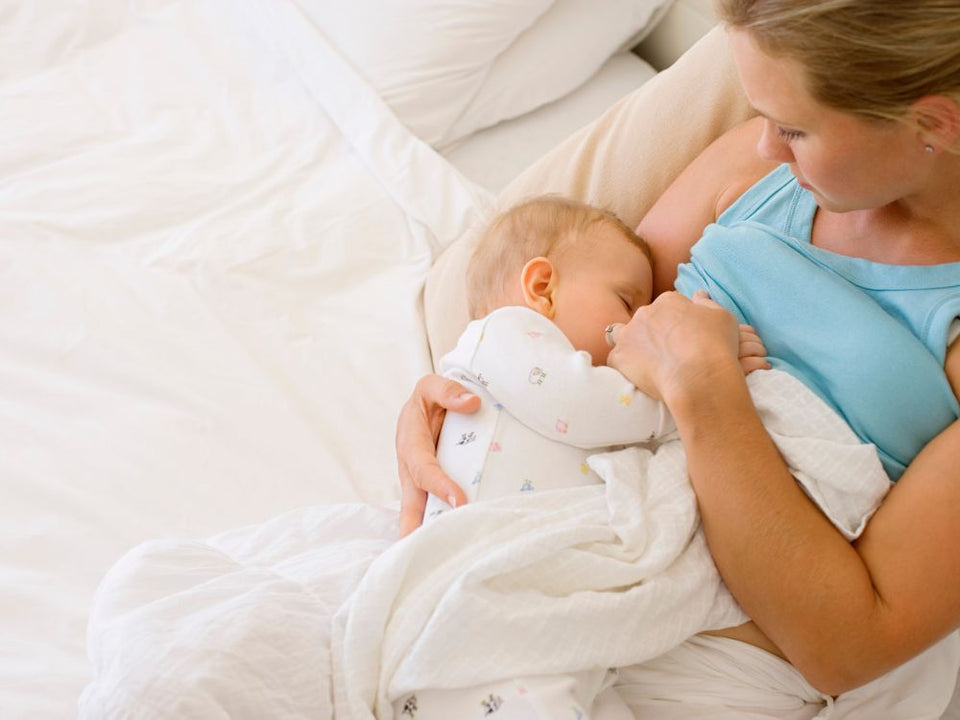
(538, 281)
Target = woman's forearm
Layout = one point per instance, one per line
(842, 613)
(803, 584)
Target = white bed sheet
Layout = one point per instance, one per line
(210, 278)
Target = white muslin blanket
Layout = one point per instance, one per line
(554, 582)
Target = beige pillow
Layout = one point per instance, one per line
(622, 161)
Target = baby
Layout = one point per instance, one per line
(547, 280)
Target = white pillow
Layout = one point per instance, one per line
(450, 67)
(564, 49)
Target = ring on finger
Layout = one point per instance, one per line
(608, 333)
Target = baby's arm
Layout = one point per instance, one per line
(526, 363)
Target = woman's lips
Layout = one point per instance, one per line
(800, 182)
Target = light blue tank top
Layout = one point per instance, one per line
(869, 338)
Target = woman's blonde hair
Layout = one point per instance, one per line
(872, 58)
(545, 226)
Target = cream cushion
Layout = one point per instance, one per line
(622, 161)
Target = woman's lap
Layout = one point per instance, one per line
(721, 679)
(713, 677)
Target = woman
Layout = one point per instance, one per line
(861, 100)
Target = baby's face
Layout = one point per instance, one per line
(602, 284)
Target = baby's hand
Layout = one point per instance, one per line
(753, 355)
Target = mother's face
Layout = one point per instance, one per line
(848, 162)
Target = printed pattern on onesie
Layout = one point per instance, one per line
(543, 698)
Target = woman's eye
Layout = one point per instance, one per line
(788, 135)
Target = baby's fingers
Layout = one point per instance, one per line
(750, 342)
(752, 353)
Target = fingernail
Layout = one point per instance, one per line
(465, 396)
(452, 501)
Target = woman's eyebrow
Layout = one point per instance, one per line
(773, 119)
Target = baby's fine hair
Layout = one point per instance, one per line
(545, 226)
(872, 58)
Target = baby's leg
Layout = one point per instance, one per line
(567, 697)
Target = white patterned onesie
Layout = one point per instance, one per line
(544, 409)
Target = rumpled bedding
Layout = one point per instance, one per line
(319, 614)
(213, 242)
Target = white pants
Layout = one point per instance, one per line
(723, 679)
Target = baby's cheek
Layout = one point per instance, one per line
(599, 351)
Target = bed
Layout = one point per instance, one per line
(217, 223)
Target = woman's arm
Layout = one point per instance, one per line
(842, 614)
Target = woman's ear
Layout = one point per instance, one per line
(938, 117)
(538, 281)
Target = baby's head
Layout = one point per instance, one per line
(575, 264)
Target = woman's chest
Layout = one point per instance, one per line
(884, 239)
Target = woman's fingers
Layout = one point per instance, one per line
(702, 297)
(418, 428)
(425, 476)
(448, 394)
(610, 333)
(673, 339)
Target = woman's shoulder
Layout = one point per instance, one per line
(725, 169)
(736, 151)
(719, 175)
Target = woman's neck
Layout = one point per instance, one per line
(921, 229)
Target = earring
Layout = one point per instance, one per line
(928, 148)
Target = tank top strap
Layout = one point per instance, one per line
(775, 203)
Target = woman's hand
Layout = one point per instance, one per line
(418, 428)
(674, 344)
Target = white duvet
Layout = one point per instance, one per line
(213, 241)
(320, 614)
